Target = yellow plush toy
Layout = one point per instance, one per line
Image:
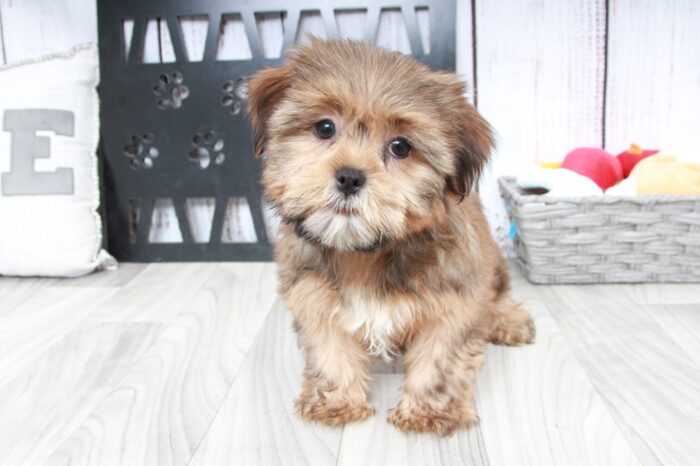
(661, 175)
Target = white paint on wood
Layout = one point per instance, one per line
(151, 42)
(203, 375)
(194, 34)
(167, 53)
(127, 36)
(391, 32)
(351, 23)
(2, 41)
(311, 23)
(540, 72)
(233, 41)
(682, 323)
(200, 214)
(124, 273)
(155, 294)
(542, 83)
(256, 423)
(238, 223)
(423, 19)
(465, 46)
(15, 291)
(520, 424)
(653, 89)
(32, 29)
(271, 33)
(38, 321)
(164, 224)
(647, 380)
(160, 410)
(54, 395)
(663, 293)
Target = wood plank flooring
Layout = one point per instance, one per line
(197, 364)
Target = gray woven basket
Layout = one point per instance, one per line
(605, 239)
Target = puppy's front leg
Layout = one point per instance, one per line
(441, 364)
(336, 376)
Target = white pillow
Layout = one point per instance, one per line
(49, 184)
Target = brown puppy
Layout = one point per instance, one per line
(369, 158)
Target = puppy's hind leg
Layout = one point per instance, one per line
(511, 324)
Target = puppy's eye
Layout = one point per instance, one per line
(325, 129)
(399, 148)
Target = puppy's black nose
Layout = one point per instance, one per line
(350, 180)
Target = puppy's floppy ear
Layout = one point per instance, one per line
(472, 137)
(265, 89)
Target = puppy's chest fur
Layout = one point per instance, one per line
(381, 322)
(382, 297)
(380, 300)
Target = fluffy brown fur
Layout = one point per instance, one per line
(407, 264)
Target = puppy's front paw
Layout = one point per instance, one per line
(332, 412)
(423, 419)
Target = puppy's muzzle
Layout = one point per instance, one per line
(349, 181)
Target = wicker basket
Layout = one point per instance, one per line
(605, 239)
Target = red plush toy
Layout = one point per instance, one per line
(629, 158)
(596, 164)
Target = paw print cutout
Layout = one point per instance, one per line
(207, 149)
(171, 91)
(235, 93)
(141, 151)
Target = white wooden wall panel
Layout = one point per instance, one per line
(540, 76)
(32, 28)
(151, 45)
(654, 75)
(465, 46)
(2, 43)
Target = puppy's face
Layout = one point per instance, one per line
(363, 146)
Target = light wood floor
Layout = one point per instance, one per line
(197, 364)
